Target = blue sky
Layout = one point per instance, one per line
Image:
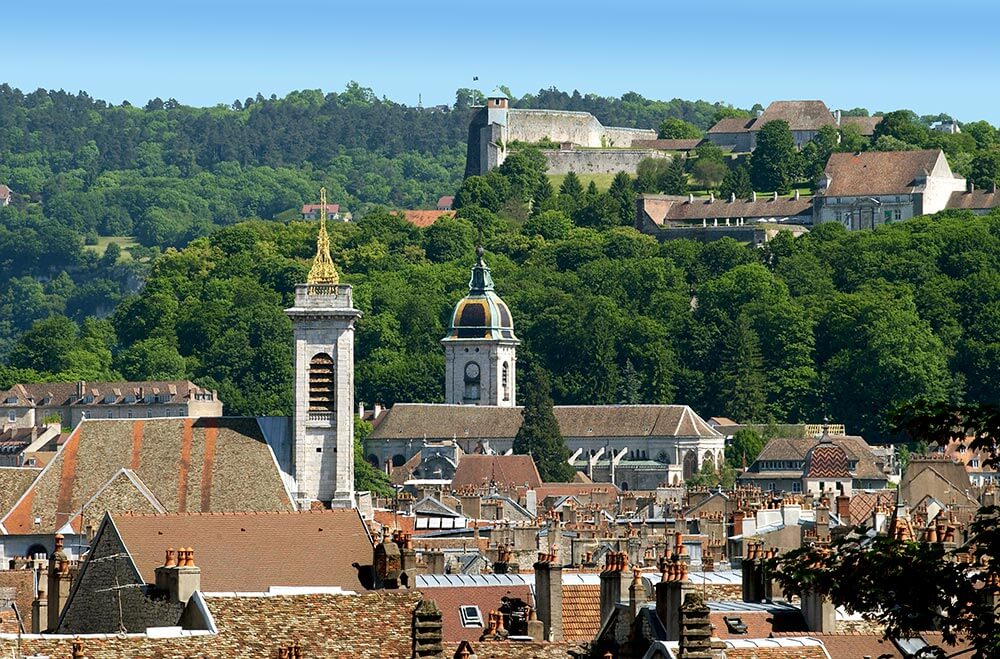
(927, 56)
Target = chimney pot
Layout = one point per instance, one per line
(171, 559)
(732, 197)
(690, 198)
(753, 196)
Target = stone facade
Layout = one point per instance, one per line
(490, 358)
(323, 419)
(598, 161)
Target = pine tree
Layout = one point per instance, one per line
(742, 374)
(629, 385)
(736, 182)
(675, 178)
(571, 186)
(622, 191)
(539, 434)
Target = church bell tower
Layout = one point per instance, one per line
(323, 419)
(480, 349)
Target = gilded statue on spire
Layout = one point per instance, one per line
(323, 270)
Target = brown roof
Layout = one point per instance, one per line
(4, 191)
(800, 115)
(424, 219)
(878, 172)
(667, 145)
(65, 393)
(760, 624)
(250, 552)
(507, 471)
(863, 503)
(312, 208)
(365, 626)
(14, 481)
(853, 646)
(209, 464)
(732, 125)
(487, 598)
(866, 124)
(433, 421)
(581, 611)
(783, 448)
(975, 200)
(662, 209)
(445, 201)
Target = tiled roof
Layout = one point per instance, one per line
(4, 191)
(366, 626)
(403, 473)
(505, 470)
(863, 503)
(518, 650)
(65, 393)
(878, 172)
(826, 460)
(445, 201)
(760, 624)
(787, 449)
(487, 598)
(424, 219)
(581, 612)
(432, 421)
(975, 200)
(732, 125)
(312, 208)
(800, 115)
(250, 552)
(14, 481)
(866, 124)
(208, 465)
(672, 208)
(854, 646)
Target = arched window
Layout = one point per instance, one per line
(709, 458)
(506, 381)
(690, 464)
(472, 379)
(398, 460)
(322, 384)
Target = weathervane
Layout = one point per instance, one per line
(323, 271)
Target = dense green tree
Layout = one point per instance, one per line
(736, 182)
(539, 434)
(448, 239)
(985, 169)
(773, 166)
(629, 385)
(741, 380)
(672, 128)
(572, 187)
(151, 359)
(366, 477)
(746, 445)
(649, 173)
(674, 179)
(622, 191)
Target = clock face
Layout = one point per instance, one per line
(472, 371)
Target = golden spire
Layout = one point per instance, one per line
(322, 271)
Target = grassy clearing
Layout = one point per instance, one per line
(603, 181)
(125, 242)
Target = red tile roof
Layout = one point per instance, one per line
(581, 611)
(314, 208)
(487, 598)
(250, 552)
(424, 219)
(507, 471)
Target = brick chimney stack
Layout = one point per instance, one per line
(670, 594)
(179, 577)
(819, 613)
(60, 583)
(756, 587)
(615, 563)
(428, 641)
(636, 593)
(695, 641)
(548, 595)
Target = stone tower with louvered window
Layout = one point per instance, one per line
(323, 418)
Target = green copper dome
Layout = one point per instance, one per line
(481, 314)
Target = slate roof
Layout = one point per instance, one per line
(439, 422)
(800, 115)
(368, 626)
(732, 125)
(508, 471)
(878, 172)
(65, 393)
(975, 200)
(673, 208)
(208, 464)
(486, 597)
(250, 552)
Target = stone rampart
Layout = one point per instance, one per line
(598, 161)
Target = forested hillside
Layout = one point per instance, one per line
(832, 323)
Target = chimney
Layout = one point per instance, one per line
(361, 410)
(179, 577)
(690, 198)
(796, 195)
(60, 582)
(670, 595)
(636, 594)
(548, 595)
(819, 613)
(753, 196)
(844, 509)
(711, 197)
(407, 561)
(427, 637)
(837, 116)
(790, 514)
(377, 409)
(536, 628)
(611, 582)
(435, 562)
(39, 610)
(756, 588)
(732, 197)
(972, 186)
(738, 517)
(695, 641)
(823, 523)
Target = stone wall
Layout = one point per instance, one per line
(580, 128)
(623, 137)
(598, 161)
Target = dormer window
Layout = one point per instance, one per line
(130, 398)
(11, 400)
(109, 398)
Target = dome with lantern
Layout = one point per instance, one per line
(481, 314)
